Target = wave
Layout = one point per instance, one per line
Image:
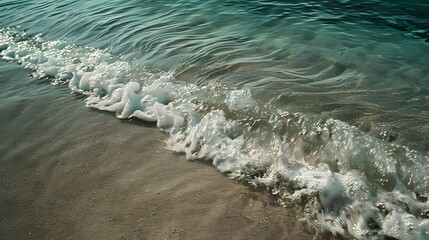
(353, 184)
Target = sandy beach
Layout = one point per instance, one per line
(323, 104)
(69, 172)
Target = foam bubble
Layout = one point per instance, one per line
(240, 100)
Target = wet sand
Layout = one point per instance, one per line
(69, 172)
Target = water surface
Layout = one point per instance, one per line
(322, 102)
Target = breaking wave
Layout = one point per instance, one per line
(353, 184)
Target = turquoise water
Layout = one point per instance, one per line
(322, 102)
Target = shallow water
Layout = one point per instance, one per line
(325, 103)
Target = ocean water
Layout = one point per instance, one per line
(323, 103)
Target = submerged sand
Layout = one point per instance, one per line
(69, 172)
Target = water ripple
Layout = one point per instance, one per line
(318, 50)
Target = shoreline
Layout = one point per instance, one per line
(69, 172)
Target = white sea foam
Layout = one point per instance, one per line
(353, 184)
(240, 100)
